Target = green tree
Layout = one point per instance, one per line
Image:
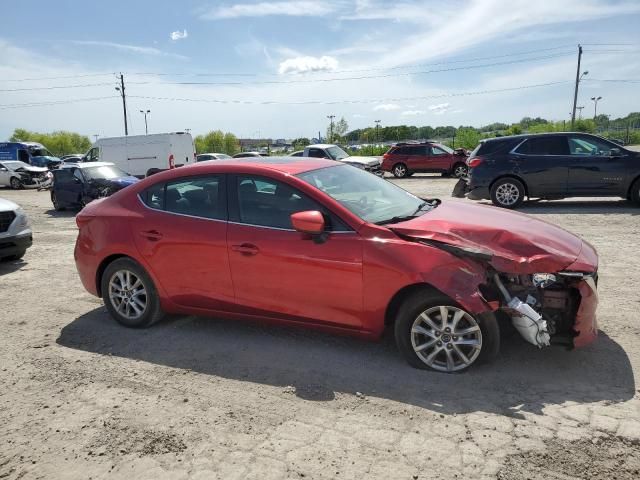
(300, 143)
(216, 141)
(340, 128)
(467, 137)
(59, 143)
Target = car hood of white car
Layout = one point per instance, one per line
(362, 160)
(7, 205)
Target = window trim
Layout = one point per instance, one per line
(224, 197)
(233, 207)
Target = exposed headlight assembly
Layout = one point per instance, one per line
(543, 280)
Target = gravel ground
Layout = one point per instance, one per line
(206, 398)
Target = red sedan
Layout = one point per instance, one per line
(310, 242)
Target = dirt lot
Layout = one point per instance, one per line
(203, 398)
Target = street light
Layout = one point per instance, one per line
(377, 126)
(580, 112)
(595, 106)
(146, 128)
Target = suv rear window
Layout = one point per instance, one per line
(489, 147)
(412, 150)
(551, 145)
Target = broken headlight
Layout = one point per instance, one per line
(543, 280)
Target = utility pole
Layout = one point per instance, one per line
(331, 117)
(580, 112)
(575, 93)
(124, 103)
(377, 126)
(145, 113)
(95, 137)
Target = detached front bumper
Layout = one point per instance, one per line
(463, 189)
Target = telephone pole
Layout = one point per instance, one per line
(575, 93)
(331, 117)
(377, 126)
(124, 103)
(146, 127)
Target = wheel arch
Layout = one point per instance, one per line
(631, 184)
(398, 298)
(515, 177)
(103, 266)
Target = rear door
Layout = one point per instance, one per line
(543, 162)
(182, 235)
(593, 170)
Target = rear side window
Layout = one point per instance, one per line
(202, 196)
(552, 145)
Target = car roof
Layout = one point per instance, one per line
(524, 136)
(86, 164)
(286, 165)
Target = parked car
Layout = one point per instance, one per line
(405, 159)
(144, 155)
(249, 154)
(16, 174)
(334, 152)
(31, 153)
(203, 157)
(75, 185)
(72, 158)
(550, 166)
(317, 243)
(15, 231)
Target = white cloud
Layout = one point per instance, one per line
(294, 8)
(412, 113)
(178, 35)
(387, 107)
(128, 48)
(358, 115)
(308, 64)
(439, 106)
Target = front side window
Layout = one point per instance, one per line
(437, 151)
(336, 153)
(369, 197)
(551, 145)
(587, 146)
(93, 155)
(270, 203)
(317, 153)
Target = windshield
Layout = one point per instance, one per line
(369, 197)
(106, 172)
(336, 153)
(40, 152)
(15, 165)
(445, 148)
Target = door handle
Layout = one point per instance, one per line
(152, 235)
(245, 249)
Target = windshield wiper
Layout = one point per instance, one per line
(402, 218)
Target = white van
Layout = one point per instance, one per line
(144, 155)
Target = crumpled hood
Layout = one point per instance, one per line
(124, 181)
(369, 161)
(32, 169)
(515, 242)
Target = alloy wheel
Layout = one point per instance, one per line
(127, 294)
(507, 194)
(15, 183)
(400, 171)
(446, 338)
(460, 171)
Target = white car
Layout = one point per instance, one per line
(15, 231)
(334, 152)
(17, 174)
(203, 157)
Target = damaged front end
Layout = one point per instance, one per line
(548, 308)
(34, 178)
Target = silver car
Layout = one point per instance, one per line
(17, 174)
(15, 231)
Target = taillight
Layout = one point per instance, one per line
(171, 162)
(385, 156)
(474, 162)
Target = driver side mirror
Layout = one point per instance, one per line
(615, 152)
(310, 222)
(4, 169)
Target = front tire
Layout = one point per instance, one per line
(56, 204)
(400, 170)
(432, 332)
(507, 193)
(635, 192)
(459, 170)
(15, 183)
(130, 295)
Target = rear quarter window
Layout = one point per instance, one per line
(153, 197)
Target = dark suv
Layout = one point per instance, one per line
(550, 166)
(405, 159)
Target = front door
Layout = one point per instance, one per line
(543, 163)
(5, 175)
(283, 273)
(439, 160)
(183, 237)
(593, 169)
(67, 186)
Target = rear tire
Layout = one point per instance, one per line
(507, 193)
(130, 295)
(400, 170)
(634, 194)
(461, 341)
(459, 170)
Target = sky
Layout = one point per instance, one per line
(277, 69)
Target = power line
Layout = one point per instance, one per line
(28, 89)
(54, 102)
(357, 101)
(55, 78)
(615, 80)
